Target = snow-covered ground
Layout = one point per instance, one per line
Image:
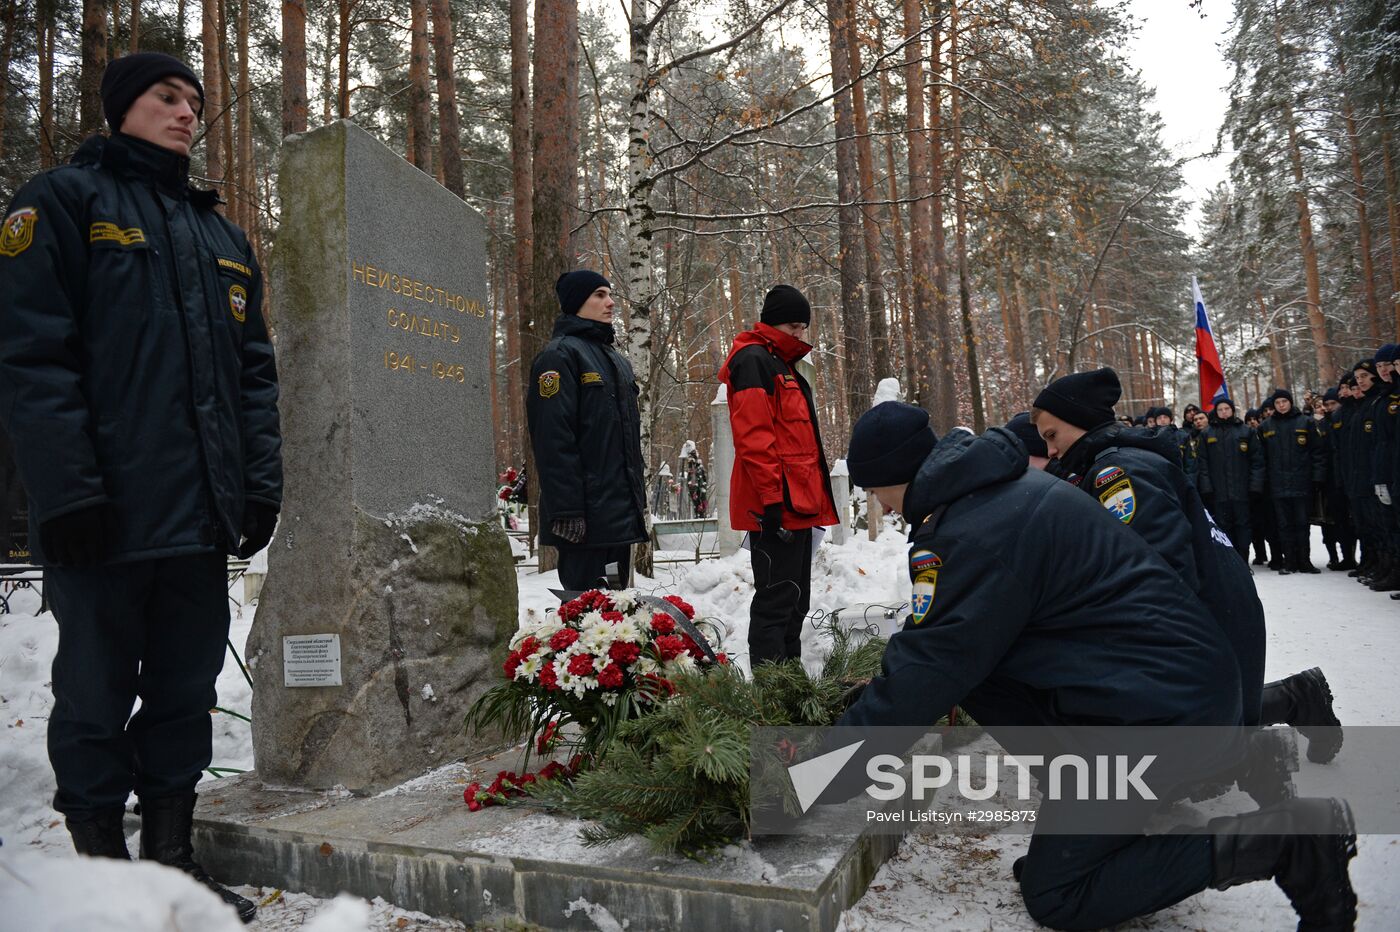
(947, 882)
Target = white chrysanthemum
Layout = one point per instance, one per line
(646, 664)
(610, 698)
(626, 630)
(625, 601)
(597, 636)
(681, 663)
(529, 668)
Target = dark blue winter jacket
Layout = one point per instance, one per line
(135, 365)
(1031, 590)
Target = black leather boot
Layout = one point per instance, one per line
(1304, 845)
(1267, 772)
(99, 835)
(1302, 559)
(1304, 700)
(166, 826)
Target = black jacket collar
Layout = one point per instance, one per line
(167, 171)
(571, 325)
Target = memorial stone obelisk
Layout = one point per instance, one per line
(390, 591)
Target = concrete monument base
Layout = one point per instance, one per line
(419, 847)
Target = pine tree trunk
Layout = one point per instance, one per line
(929, 389)
(974, 375)
(852, 259)
(904, 298)
(1363, 224)
(1275, 357)
(942, 323)
(525, 333)
(7, 47)
(211, 42)
(880, 349)
(135, 44)
(294, 109)
(94, 61)
(1393, 223)
(329, 92)
(247, 199)
(449, 125)
(342, 34)
(180, 29)
(554, 158)
(46, 128)
(420, 95)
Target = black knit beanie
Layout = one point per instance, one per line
(1280, 393)
(1331, 395)
(128, 77)
(574, 288)
(1025, 431)
(1387, 353)
(784, 304)
(888, 445)
(1084, 399)
(1369, 365)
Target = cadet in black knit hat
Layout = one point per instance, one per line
(576, 287)
(888, 444)
(1071, 406)
(1024, 428)
(128, 77)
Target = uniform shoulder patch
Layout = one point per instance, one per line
(1301, 436)
(17, 232)
(1244, 446)
(1120, 500)
(921, 560)
(238, 302)
(549, 383)
(591, 378)
(1107, 475)
(921, 600)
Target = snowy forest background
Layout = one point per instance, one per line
(975, 194)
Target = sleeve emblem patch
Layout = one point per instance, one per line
(590, 378)
(1301, 437)
(1107, 475)
(105, 232)
(549, 384)
(1244, 446)
(17, 233)
(1121, 501)
(921, 601)
(921, 560)
(238, 302)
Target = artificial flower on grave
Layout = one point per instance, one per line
(599, 660)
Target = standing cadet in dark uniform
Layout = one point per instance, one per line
(586, 431)
(1031, 606)
(1296, 465)
(1131, 475)
(1357, 458)
(1230, 466)
(1337, 534)
(1384, 446)
(138, 387)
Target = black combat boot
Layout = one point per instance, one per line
(1304, 845)
(1304, 700)
(1267, 771)
(100, 835)
(1388, 580)
(1333, 561)
(1302, 560)
(166, 825)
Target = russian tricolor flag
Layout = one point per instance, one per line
(1213, 387)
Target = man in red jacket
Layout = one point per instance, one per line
(781, 487)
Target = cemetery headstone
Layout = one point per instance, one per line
(390, 592)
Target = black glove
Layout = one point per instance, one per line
(78, 538)
(569, 529)
(772, 523)
(259, 521)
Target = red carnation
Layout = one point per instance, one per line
(571, 610)
(610, 676)
(613, 617)
(682, 604)
(504, 494)
(563, 639)
(662, 623)
(511, 474)
(581, 664)
(692, 648)
(721, 658)
(553, 770)
(669, 646)
(528, 646)
(624, 652)
(548, 678)
(546, 739)
(511, 664)
(469, 796)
